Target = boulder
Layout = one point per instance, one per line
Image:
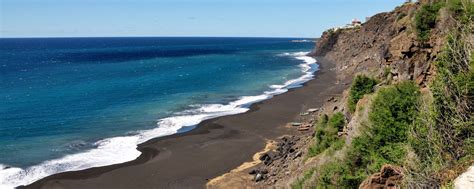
(389, 177)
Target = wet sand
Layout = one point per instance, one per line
(213, 148)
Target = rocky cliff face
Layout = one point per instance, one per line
(385, 46)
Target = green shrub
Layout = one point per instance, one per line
(326, 133)
(456, 7)
(442, 134)
(393, 111)
(337, 121)
(435, 129)
(453, 90)
(331, 173)
(425, 19)
(386, 72)
(360, 86)
(300, 182)
(338, 174)
(323, 121)
(385, 141)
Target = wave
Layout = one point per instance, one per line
(122, 149)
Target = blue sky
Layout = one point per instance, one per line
(248, 18)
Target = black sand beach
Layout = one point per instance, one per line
(216, 146)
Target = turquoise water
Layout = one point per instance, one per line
(64, 100)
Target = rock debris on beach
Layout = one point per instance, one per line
(276, 162)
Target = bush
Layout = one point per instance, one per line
(338, 174)
(393, 111)
(360, 86)
(300, 182)
(337, 121)
(456, 7)
(325, 134)
(425, 19)
(435, 129)
(442, 135)
(331, 173)
(386, 72)
(453, 90)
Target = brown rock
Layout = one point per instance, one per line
(389, 177)
(385, 40)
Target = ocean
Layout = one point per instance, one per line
(75, 103)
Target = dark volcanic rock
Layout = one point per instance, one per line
(275, 162)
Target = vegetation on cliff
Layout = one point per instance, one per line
(425, 19)
(325, 135)
(442, 137)
(362, 85)
(424, 130)
(383, 141)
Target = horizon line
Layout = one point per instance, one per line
(58, 37)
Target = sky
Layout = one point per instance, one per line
(219, 18)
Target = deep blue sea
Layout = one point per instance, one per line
(74, 103)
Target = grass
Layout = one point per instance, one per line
(428, 134)
(337, 174)
(360, 86)
(442, 135)
(383, 142)
(386, 72)
(425, 19)
(299, 184)
(326, 134)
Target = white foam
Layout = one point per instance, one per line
(122, 149)
(108, 151)
(308, 67)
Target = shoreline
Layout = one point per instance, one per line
(219, 144)
(238, 174)
(171, 125)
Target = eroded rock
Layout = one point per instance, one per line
(389, 177)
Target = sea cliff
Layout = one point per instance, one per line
(406, 119)
(390, 107)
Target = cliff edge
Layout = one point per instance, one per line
(406, 118)
(408, 114)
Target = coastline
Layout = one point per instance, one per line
(236, 177)
(121, 149)
(219, 144)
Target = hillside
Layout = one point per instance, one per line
(409, 110)
(405, 121)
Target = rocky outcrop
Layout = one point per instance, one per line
(388, 177)
(275, 163)
(385, 46)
